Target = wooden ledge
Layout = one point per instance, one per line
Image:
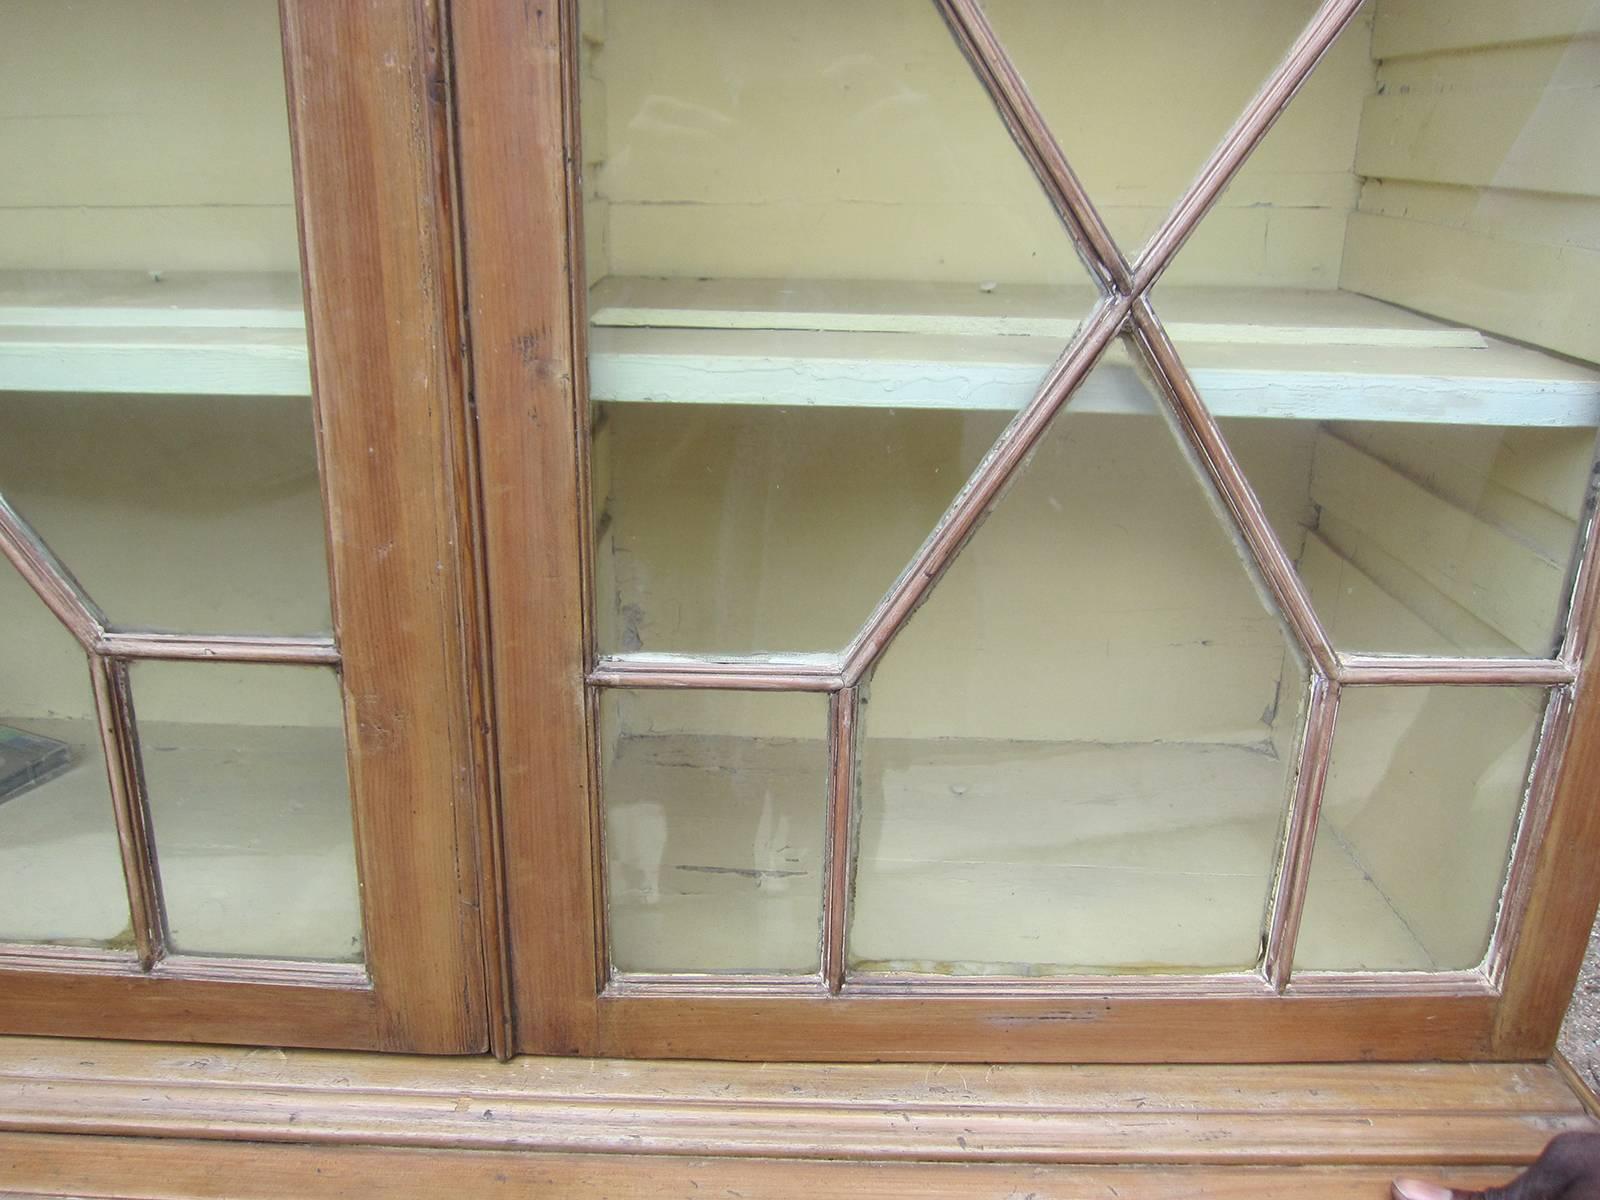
(38, 1165)
(1339, 1115)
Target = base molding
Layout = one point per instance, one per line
(112, 1119)
(169, 1169)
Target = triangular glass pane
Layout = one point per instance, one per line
(1413, 353)
(196, 514)
(1139, 93)
(1076, 756)
(821, 277)
(59, 853)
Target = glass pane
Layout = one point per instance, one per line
(250, 805)
(59, 856)
(1139, 94)
(155, 414)
(1418, 814)
(714, 809)
(821, 276)
(1076, 757)
(1415, 343)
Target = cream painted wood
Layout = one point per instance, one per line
(1502, 385)
(677, 341)
(1504, 280)
(112, 164)
(228, 492)
(1242, 316)
(1410, 27)
(673, 180)
(1479, 145)
(185, 333)
(1518, 118)
(1371, 601)
(1499, 578)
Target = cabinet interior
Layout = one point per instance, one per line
(158, 434)
(807, 326)
(816, 295)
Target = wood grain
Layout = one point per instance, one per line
(1563, 888)
(512, 110)
(1522, 1088)
(127, 1003)
(367, 108)
(146, 1167)
(1231, 1116)
(1371, 1022)
(368, 130)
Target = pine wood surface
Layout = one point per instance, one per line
(116, 1119)
(1230, 1115)
(135, 1167)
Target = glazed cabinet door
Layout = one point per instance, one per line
(1028, 530)
(237, 778)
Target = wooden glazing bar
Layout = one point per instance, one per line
(264, 970)
(1033, 137)
(1203, 435)
(1420, 671)
(844, 710)
(1554, 732)
(712, 983)
(1378, 984)
(73, 960)
(912, 984)
(1300, 834)
(49, 578)
(113, 703)
(1268, 104)
(967, 510)
(1586, 580)
(320, 652)
(583, 431)
(688, 671)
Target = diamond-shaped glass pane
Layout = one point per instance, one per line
(1414, 351)
(1076, 756)
(60, 867)
(821, 275)
(1418, 813)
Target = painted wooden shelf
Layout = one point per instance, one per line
(1253, 352)
(152, 334)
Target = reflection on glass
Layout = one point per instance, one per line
(1429, 538)
(60, 867)
(714, 806)
(1418, 814)
(155, 414)
(250, 807)
(821, 277)
(1406, 326)
(1076, 756)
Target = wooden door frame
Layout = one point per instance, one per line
(521, 208)
(368, 101)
